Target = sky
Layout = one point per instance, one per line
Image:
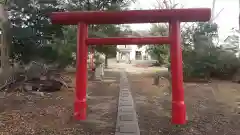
(226, 20)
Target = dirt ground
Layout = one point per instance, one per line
(211, 107)
(52, 114)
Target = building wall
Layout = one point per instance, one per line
(133, 53)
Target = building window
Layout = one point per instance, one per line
(145, 57)
(138, 55)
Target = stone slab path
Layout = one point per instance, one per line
(127, 123)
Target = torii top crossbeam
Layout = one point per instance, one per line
(131, 16)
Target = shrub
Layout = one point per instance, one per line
(212, 63)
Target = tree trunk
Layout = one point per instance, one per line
(213, 11)
(239, 15)
(106, 61)
(239, 19)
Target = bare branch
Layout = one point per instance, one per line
(168, 4)
(214, 17)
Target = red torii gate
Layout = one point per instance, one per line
(172, 16)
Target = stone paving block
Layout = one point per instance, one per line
(124, 94)
(124, 88)
(127, 117)
(124, 97)
(128, 128)
(126, 133)
(125, 91)
(125, 109)
(125, 103)
(128, 98)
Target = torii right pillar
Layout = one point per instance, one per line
(178, 105)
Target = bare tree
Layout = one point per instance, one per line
(170, 4)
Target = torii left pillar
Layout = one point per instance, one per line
(80, 104)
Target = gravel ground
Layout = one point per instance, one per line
(51, 114)
(211, 107)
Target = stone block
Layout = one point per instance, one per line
(125, 89)
(124, 94)
(127, 117)
(128, 98)
(125, 109)
(128, 128)
(125, 103)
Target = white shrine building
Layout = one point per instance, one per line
(132, 52)
(128, 53)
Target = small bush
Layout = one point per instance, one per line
(212, 63)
